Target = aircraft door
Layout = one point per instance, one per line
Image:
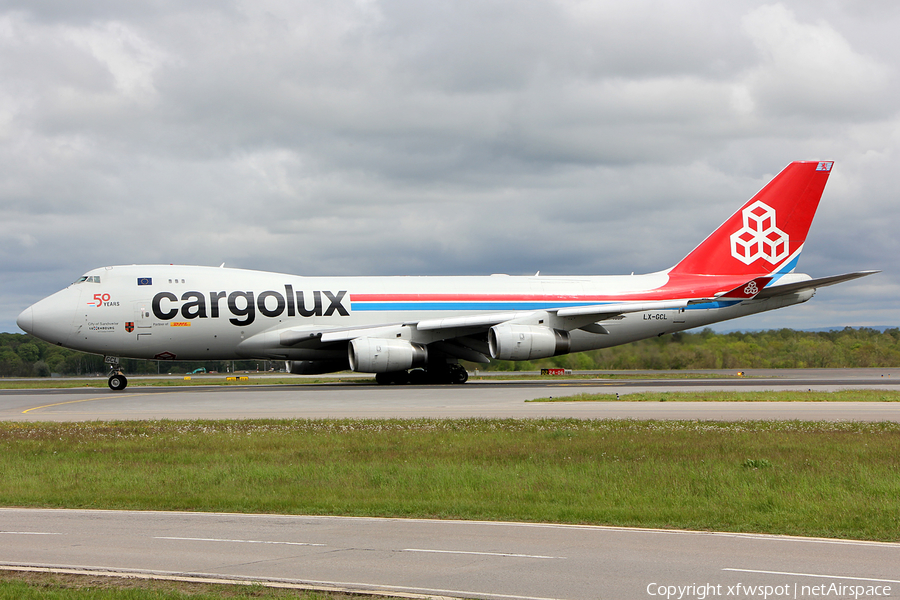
(143, 321)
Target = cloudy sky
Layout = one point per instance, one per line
(402, 137)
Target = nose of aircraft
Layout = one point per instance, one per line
(51, 319)
(26, 320)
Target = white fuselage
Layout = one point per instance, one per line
(207, 313)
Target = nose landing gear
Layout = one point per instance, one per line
(117, 381)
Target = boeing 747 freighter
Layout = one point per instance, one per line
(419, 328)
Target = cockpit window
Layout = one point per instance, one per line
(91, 279)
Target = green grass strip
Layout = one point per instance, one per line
(867, 395)
(799, 478)
(25, 585)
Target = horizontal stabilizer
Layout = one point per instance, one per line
(810, 284)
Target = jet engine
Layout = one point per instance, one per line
(375, 355)
(509, 341)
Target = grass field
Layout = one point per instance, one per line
(24, 585)
(800, 478)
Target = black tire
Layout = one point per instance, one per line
(117, 382)
(458, 374)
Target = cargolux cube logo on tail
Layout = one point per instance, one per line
(759, 237)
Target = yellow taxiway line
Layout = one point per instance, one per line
(28, 410)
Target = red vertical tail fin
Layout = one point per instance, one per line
(767, 234)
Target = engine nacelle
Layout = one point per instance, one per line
(374, 355)
(509, 341)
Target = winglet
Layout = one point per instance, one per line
(768, 232)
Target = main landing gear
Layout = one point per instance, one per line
(117, 381)
(454, 373)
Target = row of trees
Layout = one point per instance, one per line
(22, 355)
(772, 349)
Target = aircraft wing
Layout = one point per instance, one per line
(473, 323)
(293, 336)
(567, 318)
(600, 312)
(596, 312)
(810, 284)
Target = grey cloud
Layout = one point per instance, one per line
(810, 69)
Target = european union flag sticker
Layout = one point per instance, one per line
(145, 281)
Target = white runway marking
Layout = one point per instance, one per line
(482, 553)
(236, 541)
(29, 533)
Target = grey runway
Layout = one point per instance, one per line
(491, 399)
(444, 558)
